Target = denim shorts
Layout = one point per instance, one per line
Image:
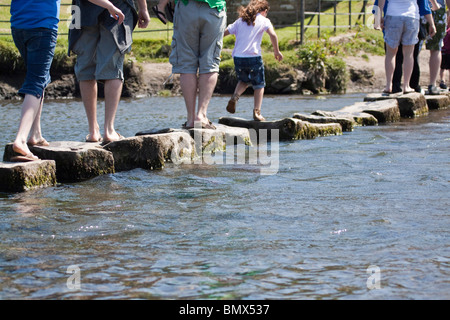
(250, 70)
(401, 30)
(98, 57)
(197, 38)
(37, 48)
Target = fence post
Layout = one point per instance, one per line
(302, 20)
(334, 18)
(350, 14)
(318, 18)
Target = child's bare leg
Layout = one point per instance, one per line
(258, 97)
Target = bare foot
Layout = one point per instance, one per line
(38, 142)
(22, 150)
(94, 138)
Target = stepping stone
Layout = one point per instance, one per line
(286, 129)
(346, 124)
(24, 176)
(438, 102)
(412, 105)
(358, 118)
(75, 161)
(152, 151)
(211, 140)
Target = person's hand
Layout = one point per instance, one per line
(116, 14)
(278, 55)
(435, 5)
(431, 30)
(144, 19)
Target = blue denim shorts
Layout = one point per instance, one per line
(401, 30)
(37, 47)
(250, 70)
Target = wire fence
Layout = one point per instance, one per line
(318, 13)
(294, 15)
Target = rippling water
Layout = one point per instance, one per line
(377, 196)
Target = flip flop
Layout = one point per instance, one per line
(24, 158)
(105, 142)
(94, 141)
(208, 125)
(161, 16)
(185, 126)
(40, 143)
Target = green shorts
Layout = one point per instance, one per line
(440, 20)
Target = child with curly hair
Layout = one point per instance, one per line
(249, 29)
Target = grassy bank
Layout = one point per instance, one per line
(323, 56)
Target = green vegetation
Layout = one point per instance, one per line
(322, 56)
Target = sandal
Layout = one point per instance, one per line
(208, 125)
(257, 115)
(161, 16)
(24, 158)
(231, 107)
(105, 142)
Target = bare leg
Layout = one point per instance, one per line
(113, 92)
(188, 84)
(408, 64)
(36, 132)
(88, 89)
(258, 98)
(30, 109)
(435, 64)
(206, 84)
(389, 65)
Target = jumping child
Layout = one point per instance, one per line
(249, 30)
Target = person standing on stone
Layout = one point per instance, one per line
(100, 44)
(196, 46)
(401, 26)
(34, 27)
(249, 29)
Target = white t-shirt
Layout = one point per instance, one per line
(248, 37)
(404, 8)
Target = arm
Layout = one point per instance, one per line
(381, 6)
(431, 25)
(112, 9)
(434, 5)
(144, 17)
(274, 39)
(226, 33)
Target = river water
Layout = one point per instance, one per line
(364, 215)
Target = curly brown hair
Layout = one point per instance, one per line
(248, 13)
